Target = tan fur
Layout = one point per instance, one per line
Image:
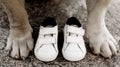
(21, 30)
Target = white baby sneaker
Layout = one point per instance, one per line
(46, 48)
(74, 47)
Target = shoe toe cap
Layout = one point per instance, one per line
(46, 54)
(73, 53)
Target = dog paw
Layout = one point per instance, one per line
(101, 42)
(19, 44)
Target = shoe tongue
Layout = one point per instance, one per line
(74, 25)
(72, 34)
(48, 35)
(49, 26)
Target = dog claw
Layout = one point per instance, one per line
(7, 52)
(16, 56)
(23, 58)
(109, 57)
(115, 53)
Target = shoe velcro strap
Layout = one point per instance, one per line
(52, 30)
(76, 30)
(71, 39)
(48, 40)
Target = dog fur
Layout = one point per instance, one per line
(20, 41)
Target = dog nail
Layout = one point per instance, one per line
(23, 58)
(16, 56)
(109, 57)
(115, 53)
(7, 52)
